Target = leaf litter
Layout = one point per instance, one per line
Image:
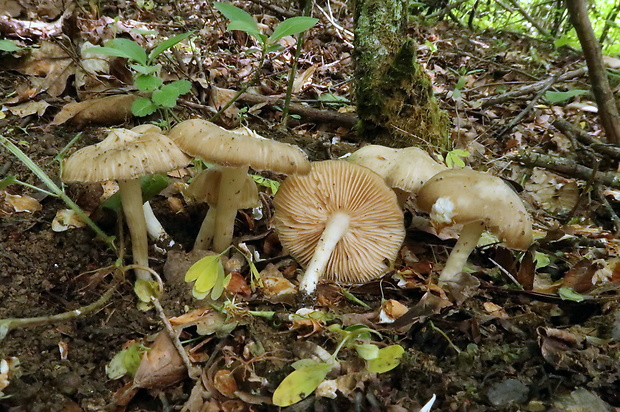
(550, 344)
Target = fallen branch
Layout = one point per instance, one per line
(568, 168)
(532, 88)
(587, 139)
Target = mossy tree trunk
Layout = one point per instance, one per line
(395, 100)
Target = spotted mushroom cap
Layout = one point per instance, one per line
(406, 169)
(214, 144)
(124, 154)
(459, 196)
(303, 204)
(205, 187)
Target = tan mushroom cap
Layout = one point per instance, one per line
(124, 154)
(215, 144)
(407, 169)
(303, 205)
(205, 187)
(478, 196)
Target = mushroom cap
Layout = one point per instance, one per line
(124, 154)
(407, 169)
(303, 205)
(464, 195)
(236, 148)
(205, 187)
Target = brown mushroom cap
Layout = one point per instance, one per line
(214, 144)
(124, 154)
(407, 169)
(475, 196)
(205, 187)
(303, 205)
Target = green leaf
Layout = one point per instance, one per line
(272, 185)
(273, 48)
(126, 362)
(144, 32)
(367, 351)
(208, 274)
(150, 186)
(143, 106)
(292, 26)
(300, 383)
(239, 20)
(128, 49)
(9, 46)
(167, 95)
(7, 181)
(148, 69)
(558, 97)
(171, 42)
(145, 289)
(542, 260)
(567, 293)
(387, 359)
(181, 86)
(147, 83)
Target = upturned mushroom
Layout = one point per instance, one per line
(205, 187)
(125, 156)
(340, 221)
(235, 151)
(404, 170)
(478, 201)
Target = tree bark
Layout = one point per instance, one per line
(394, 94)
(607, 109)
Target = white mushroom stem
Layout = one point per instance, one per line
(131, 199)
(231, 185)
(468, 239)
(207, 229)
(154, 228)
(336, 227)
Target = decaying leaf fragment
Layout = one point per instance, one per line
(161, 366)
(22, 203)
(108, 110)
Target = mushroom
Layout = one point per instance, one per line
(236, 151)
(125, 156)
(404, 170)
(478, 201)
(341, 221)
(205, 187)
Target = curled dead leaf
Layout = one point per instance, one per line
(108, 110)
(161, 366)
(225, 383)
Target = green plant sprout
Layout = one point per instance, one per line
(126, 361)
(309, 373)
(54, 190)
(454, 158)
(270, 184)
(243, 21)
(147, 74)
(209, 277)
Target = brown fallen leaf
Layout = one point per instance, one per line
(161, 366)
(108, 110)
(22, 203)
(28, 108)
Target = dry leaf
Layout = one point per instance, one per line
(391, 310)
(66, 219)
(161, 366)
(225, 383)
(26, 109)
(106, 111)
(50, 65)
(304, 79)
(22, 203)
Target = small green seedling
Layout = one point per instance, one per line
(147, 74)
(270, 184)
(9, 46)
(126, 362)
(454, 158)
(309, 373)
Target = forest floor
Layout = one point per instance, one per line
(541, 332)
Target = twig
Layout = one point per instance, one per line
(442, 12)
(174, 337)
(612, 213)
(581, 135)
(345, 35)
(567, 167)
(549, 82)
(273, 7)
(532, 88)
(526, 16)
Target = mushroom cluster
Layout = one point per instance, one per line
(235, 151)
(125, 156)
